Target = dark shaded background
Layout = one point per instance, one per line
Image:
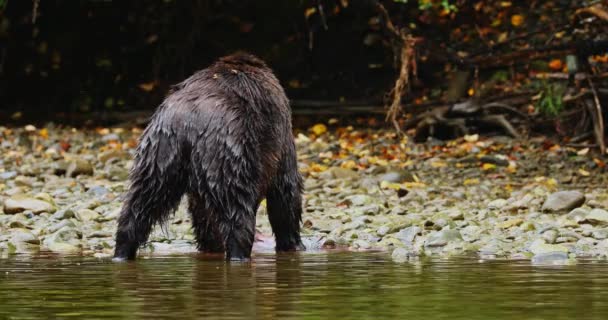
(83, 56)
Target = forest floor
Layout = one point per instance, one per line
(365, 189)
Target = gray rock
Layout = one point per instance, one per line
(540, 247)
(397, 176)
(64, 240)
(497, 204)
(23, 235)
(401, 255)
(112, 154)
(361, 244)
(360, 199)
(551, 258)
(8, 175)
(383, 230)
(442, 238)
(563, 201)
(550, 236)
(597, 217)
(63, 214)
(78, 167)
(578, 214)
(408, 234)
(86, 215)
(110, 137)
(600, 234)
(19, 203)
(342, 173)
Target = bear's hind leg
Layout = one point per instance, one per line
(204, 222)
(155, 191)
(284, 200)
(240, 237)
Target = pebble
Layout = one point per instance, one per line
(597, 217)
(563, 201)
(442, 238)
(20, 203)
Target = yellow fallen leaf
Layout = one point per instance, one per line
(468, 182)
(309, 12)
(438, 164)
(350, 164)
(315, 167)
(319, 129)
(390, 185)
(583, 172)
(512, 168)
(471, 92)
(263, 203)
(412, 185)
(583, 152)
(488, 166)
(517, 20)
(510, 223)
(44, 133)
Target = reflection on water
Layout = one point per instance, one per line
(300, 286)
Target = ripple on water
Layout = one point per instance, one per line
(336, 285)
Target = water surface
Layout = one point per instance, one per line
(339, 285)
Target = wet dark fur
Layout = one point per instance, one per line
(224, 138)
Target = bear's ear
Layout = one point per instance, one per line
(243, 58)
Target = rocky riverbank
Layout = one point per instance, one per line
(365, 189)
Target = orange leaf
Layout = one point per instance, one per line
(148, 86)
(517, 20)
(556, 65)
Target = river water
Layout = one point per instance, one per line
(335, 285)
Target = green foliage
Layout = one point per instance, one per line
(551, 98)
(429, 4)
(3, 4)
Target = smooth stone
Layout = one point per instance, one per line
(110, 137)
(471, 233)
(510, 223)
(383, 230)
(397, 177)
(101, 234)
(63, 214)
(600, 234)
(550, 236)
(442, 238)
(361, 244)
(20, 203)
(86, 214)
(8, 175)
(61, 224)
(407, 235)
(360, 199)
(551, 258)
(62, 247)
(78, 167)
(112, 154)
(497, 204)
(401, 255)
(540, 247)
(563, 201)
(578, 214)
(23, 236)
(597, 217)
(342, 173)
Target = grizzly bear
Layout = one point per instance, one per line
(223, 137)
